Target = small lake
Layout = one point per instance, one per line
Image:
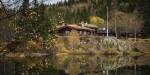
(64, 64)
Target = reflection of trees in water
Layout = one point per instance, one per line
(112, 62)
(72, 64)
(28, 66)
(94, 64)
(108, 63)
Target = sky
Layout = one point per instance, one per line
(18, 5)
(52, 1)
(46, 1)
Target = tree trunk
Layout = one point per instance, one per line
(135, 34)
(116, 28)
(107, 72)
(25, 6)
(107, 23)
(134, 69)
(116, 72)
(3, 6)
(35, 3)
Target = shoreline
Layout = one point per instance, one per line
(23, 54)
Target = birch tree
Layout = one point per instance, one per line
(122, 22)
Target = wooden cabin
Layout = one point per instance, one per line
(88, 29)
(63, 30)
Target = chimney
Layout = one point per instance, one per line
(82, 23)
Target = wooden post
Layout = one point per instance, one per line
(107, 22)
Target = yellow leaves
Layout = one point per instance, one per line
(31, 44)
(35, 45)
(59, 45)
(73, 36)
(31, 65)
(95, 20)
(65, 45)
(61, 58)
(74, 68)
(73, 39)
(33, 13)
(18, 29)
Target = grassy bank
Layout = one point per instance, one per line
(93, 46)
(141, 45)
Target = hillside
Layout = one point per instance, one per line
(75, 11)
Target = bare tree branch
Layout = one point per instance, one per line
(3, 6)
(9, 16)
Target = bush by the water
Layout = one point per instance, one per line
(114, 45)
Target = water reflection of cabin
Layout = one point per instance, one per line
(82, 30)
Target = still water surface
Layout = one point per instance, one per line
(76, 65)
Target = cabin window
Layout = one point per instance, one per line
(66, 32)
(139, 35)
(88, 33)
(84, 32)
(91, 33)
(94, 33)
(130, 35)
(80, 32)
